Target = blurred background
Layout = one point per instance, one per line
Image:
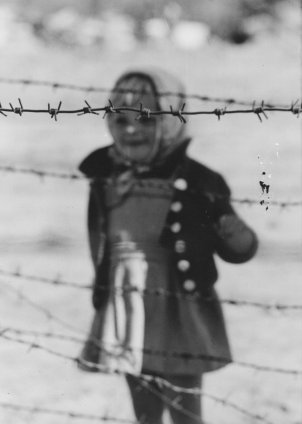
(244, 50)
(96, 23)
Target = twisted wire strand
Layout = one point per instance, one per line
(92, 89)
(153, 292)
(197, 392)
(165, 354)
(146, 379)
(75, 176)
(49, 315)
(39, 279)
(62, 413)
(41, 173)
(43, 334)
(259, 111)
(166, 400)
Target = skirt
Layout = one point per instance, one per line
(149, 325)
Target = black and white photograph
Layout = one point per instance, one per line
(151, 211)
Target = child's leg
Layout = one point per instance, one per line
(191, 404)
(148, 406)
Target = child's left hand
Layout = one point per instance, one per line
(235, 236)
(229, 225)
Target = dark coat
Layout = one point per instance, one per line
(201, 197)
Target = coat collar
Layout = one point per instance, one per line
(99, 164)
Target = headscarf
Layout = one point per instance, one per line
(171, 133)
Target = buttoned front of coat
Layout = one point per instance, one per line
(200, 198)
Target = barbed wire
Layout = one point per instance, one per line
(42, 174)
(171, 403)
(184, 355)
(68, 414)
(259, 110)
(92, 89)
(39, 279)
(152, 292)
(49, 315)
(166, 354)
(280, 203)
(44, 334)
(197, 392)
(75, 176)
(145, 378)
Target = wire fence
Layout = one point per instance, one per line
(198, 392)
(54, 85)
(196, 297)
(260, 110)
(142, 112)
(165, 354)
(145, 380)
(42, 174)
(78, 177)
(183, 355)
(65, 414)
(46, 312)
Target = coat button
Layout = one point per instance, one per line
(175, 227)
(180, 246)
(183, 265)
(189, 285)
(176, 207)
(181, 184)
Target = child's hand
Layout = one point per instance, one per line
(234, 235)
(229, 225)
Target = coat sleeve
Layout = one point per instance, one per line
(235, 241)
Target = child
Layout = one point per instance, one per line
(155, 219)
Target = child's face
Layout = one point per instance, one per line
(136, 138)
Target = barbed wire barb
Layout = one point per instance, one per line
(54, 111)
(259, 110)
(1, 112)
(143, 112)
(87, 109)
(17, 110)
(179, 113)
(296, 110)
(110, 109)
(219, 112)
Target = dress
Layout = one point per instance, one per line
(144, 327)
